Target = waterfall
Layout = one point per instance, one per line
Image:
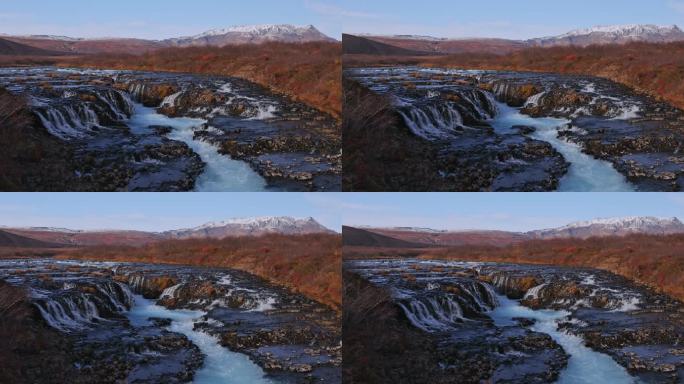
(68, 121)
(438, 119)
(74, 310)
(170, 292)
(170, 100)
(437, 311)
(118, 103)
(432, 121)
(534, 100)
(78, 119)
(137, 90)
(533, 293)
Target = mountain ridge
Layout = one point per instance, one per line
(597, 35)
(255, 226)
(232, 35)
(601, 227)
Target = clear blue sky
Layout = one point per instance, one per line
(504, 211)
(519, 19)
(156, 19)
(162, 211)
(157, 211)
(450, 18)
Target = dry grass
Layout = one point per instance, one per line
(309, 264)
(656, 69)
(657, 261)
(308, 72)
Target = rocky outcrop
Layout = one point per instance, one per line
(148, 94)
(511, 93)
(150, 287)
(513, 286)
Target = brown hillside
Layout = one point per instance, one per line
(309, 264)
(307, 72)
(657, 261)
(657, 69)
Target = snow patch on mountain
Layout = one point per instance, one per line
(614, 227)
(614, 34)
(625, 30)
(251, 226)
(262, 222)
(627, 222)
(253, 34)
(273, 30)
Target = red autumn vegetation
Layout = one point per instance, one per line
(307, 72)
(657, 261)
(656, 69)
(309, 264)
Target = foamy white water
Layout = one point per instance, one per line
(586, 173)
(585, 365)
(221, 173)
(221, 366)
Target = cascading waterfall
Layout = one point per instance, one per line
(170, 100)
(534, 100)
(439, 120)
(438, 311)
(137, 90)
(120, 104)
(170, 292)
(74, 310)
(533, 293)
(432, 122)
(77, 120)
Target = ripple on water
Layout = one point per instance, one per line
(585, 365)
(220, 364)
(585, 174)
(221, 173)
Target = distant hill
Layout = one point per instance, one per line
(8, 239)
(613, 34)
(87, 46)
(252, 34)
(236, 35)
(363, 238)
(452, 239)
(441, 46)
(256, 226)
(364, 46)
(11, 48)
(86, 238)
(599, 35)
(611, 227)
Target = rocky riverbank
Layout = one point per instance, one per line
(506, 131)
(456, 309)
(100, 308)
(137, 131)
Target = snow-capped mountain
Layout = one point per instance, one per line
(252, 34)
(613, 34)
(613, 227)
(253, 226)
